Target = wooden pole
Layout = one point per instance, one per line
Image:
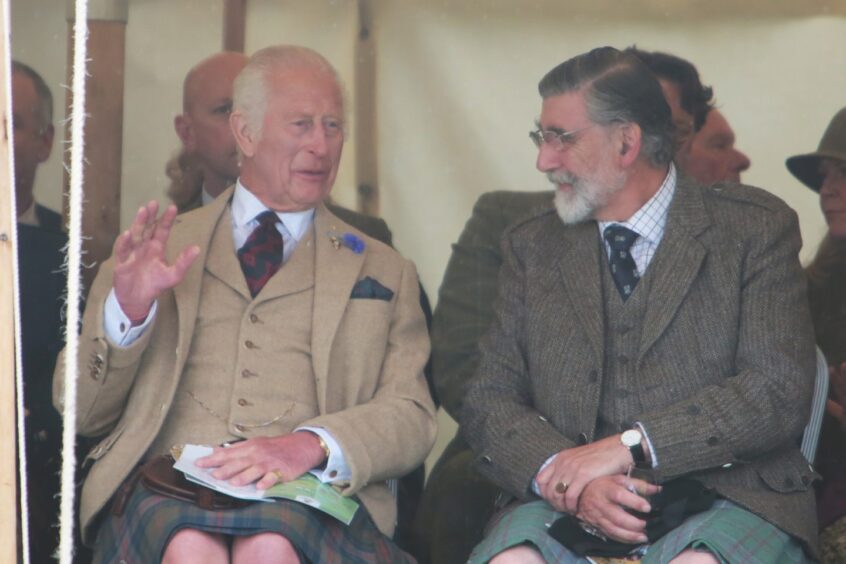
(8, 456)
(234, 25)
(366, 163)
(103, 129)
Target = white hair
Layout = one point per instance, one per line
(251, 87)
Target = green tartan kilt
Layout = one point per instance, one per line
(732, 534)
(149, 521)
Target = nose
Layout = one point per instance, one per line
(742, 162)
(548, 158)
(318, 140)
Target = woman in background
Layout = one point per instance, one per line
(824, 171)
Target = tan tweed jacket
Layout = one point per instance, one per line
(368, 357)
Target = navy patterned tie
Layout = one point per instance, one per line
(623, 268)
(261, 255)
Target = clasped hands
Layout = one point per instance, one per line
(591, 483)
(267, 460)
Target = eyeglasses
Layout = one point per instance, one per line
(555, 139)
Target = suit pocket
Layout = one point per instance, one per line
(103, 446)
(788, 475)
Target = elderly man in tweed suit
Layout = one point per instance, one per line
(263, 321)
(652, 322)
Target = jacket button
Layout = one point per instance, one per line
(583, 439)
(713, 441)
(593, 376)
(249, 344)
(240, 428)
(242, 402)
(806, 480)
(788, 482)
(333, 474)
(246, 373)
(486, 459)
(254, 318)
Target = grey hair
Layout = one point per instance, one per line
(251, 87)
(45, 97)
(618, 88)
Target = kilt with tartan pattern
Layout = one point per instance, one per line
(732, 534)
(149, 521)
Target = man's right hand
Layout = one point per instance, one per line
(141, 271)
(604, 501)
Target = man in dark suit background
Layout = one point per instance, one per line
(651, 322)
(42, 280)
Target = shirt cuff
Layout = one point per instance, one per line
(119, 327)
(652, 458)
(546, 463)
(336, 469)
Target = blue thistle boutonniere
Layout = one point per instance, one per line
(349, 240)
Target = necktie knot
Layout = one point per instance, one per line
(267, 219)
(620, 238)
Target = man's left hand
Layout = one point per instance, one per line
(573, 468)
(266, 459)
(604, 504)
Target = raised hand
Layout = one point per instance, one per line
(266, 459)
(563, 479)
(141, 271)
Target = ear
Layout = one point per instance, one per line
(182, 125)
(629, 143)
(46, 145)
(244, 136)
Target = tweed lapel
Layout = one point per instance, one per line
(187, 293)
(335, 274)
(576, 251)
(677, 261)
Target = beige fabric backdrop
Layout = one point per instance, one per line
(456, 89)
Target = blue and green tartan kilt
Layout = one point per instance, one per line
(729, 532)
(140, 535)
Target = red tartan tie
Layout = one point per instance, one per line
(261, 255)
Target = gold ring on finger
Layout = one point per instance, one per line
(279, 477)
(561, 487)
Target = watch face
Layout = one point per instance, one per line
(631, 438)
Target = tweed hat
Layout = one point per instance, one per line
(832, 146)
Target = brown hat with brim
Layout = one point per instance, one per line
(832, 146)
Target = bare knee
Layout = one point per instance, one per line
(691, 556)
(264, 547)
(522, 554)
(191, 545)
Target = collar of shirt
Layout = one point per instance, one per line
(648, 222)
(245, 207)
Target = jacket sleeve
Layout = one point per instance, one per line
(106, 372)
